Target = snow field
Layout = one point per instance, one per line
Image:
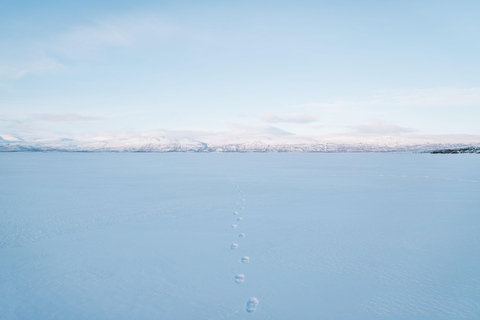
(329, 236)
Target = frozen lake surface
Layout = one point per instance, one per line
(239, 236)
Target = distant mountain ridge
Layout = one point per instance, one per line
(244, 143)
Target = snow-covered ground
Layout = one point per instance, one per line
(239, 236)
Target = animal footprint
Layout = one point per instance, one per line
(245, 259)
(252, 304)
(239, 278)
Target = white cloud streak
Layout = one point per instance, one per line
(379, 127)
(292, 118)
(67, 117)
(256, 129)
(432, 98)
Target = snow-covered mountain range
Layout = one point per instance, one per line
(241, 143)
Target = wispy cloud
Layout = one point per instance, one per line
(16, 70)
(66, 117)
(87, 40)
(257, 129)
(90, 41)
(23, 127)
(292, 118)
(380, 127)
(433, 97)
(440, 97)
(8, 120)
(247, 115)
(42, 124)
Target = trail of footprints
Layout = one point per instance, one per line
(239, 278)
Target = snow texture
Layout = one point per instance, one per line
(330, 236)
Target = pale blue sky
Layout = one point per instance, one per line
(305, 67)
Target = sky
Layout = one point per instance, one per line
(70, 69)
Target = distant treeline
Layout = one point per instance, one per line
(459, 150)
